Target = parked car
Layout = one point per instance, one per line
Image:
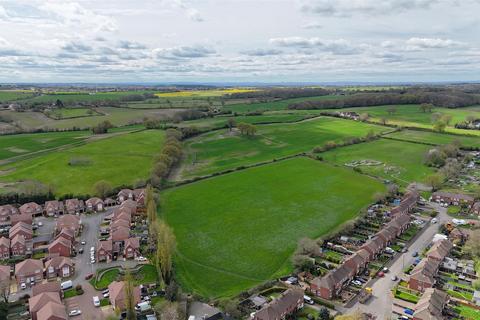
(96, 301)
(75, 312)
(23, 286)
(89, 276)
(40, 223)
(385, 270)
(106, 295)
(381, 274)
(394, 278)
(92, 249)
(80, 250)
(308, 300)
(414, 254)
(357, 283)
(83, 242)
(105, 291)
(141, 259)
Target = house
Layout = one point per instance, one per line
(131, 248)
(4, 274)
(139, 196)
(280, 308)
(62, 267)
(109, 202)
(386, 235)
(4, 248)
(332, 283)
(74, 206)
(129, 205)
(21, 229)
(407, 203)
(52, 286)
(38, 302)
(455, 199)
(124, 194)
(19, 246)
(424, 274)
(27, 218)
(120, 214)
(31, 208)
(431, 305)
(117, 294)
(60, 247)
(54, 208)
(52, 311)
(374, 247)
(476, 208)
(68, 221)
(29, 271)
(439, 250)
(358, 261)
(458, 234)
(120, 234)
(94, 204)
(6, 211)
(117, 223)
(67, 234)
(104, 250)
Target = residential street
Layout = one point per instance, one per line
(381, 302)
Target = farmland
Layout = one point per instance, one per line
(401, 162)
(109, 159)
(263, 212)
(14, 145)
(221, 150)
(66, 113)
(203, 93)
(12, 95)
(273, 105)
(434, 138)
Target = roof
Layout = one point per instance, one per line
(54, 205)
(62, 241)
(58, 262)
(26, 217)
(7, 210)
(52, 310)
(37, 302)
(105, 245)
(117, 292)
(119, 223)
(120, 234)
(73, 204)
(68, 221)
(28, 266)
(125, 192)
(46, 287)
(133, 242)
(425, 271)
(94, 201)
(30, 207)
(18, 239)
(20, 227)
(430, 305)
(440, 249)
(4, 272)
(459, 196)
(129, 204)
(5, 242)
(278, 307)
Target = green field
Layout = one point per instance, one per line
(401, 162)
(21, 144)
(412, 116)
(75, 97)
(12, 95)
(66, 113)
(222, 149)
(434, 138)
(238, 230)
(119, 159)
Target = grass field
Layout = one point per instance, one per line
(66, 113)
(12, 95)
(21, 144)
(412, 116)
(274, 105)
(120, 159)
(435, 138)
(203, 93)
(237, 230)
(402, 162)
(221, 150)
(75, 97)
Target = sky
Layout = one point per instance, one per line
(235, 41)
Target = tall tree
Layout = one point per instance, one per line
(129, 296)
(102, 189)
(166, 244)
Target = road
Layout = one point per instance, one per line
(381, 302)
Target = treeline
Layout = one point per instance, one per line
(445, 98)
(167, 158)
(280, 93)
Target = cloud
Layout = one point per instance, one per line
(192, 13)
(346, 8)
(184, 52)
(262, 52)
(413, 44)
(312, 25)
(131, 45)
(76, 47)
(339, 46)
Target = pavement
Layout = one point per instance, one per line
(380, 304)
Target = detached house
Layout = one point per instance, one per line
(117, 294)
(6, 212)
(54, 208)
(124, 194)
(52, 311)
(31, 208)
(139, 196)
(59, 267)
(4, 248)
(131, 248)
(104, 250)
(94, 204)
(67, 234)
(74, 206)
(42, 301)
(24, 217)
(60, 247)
(280, 308)
(29, 271)
(19, 246)
(47, 287)
(22, 229)
(68, 221)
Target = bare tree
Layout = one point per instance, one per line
(129, 296)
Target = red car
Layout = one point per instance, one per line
(381, 274)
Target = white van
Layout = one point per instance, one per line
(66, 285)
(308, 300)
(143, 306)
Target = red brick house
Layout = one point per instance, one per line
(358, 261)
(52, 286)
(129, 206)
(117, 294)
(31, 208)
(27, 218)
(54, 208)
(131, 248)
(124, 194)
(52, 311)
(4, 248)
(453, 198)
(21, 229)
(440, 249)
(139, 196)
(29, 271)
(104, 250)
(423, 276)
(374, 247)
(117, 223)
(407, 204)
(280, 308)
(120, 234)
(68, 221)
(6, 211)
(386, 235)
(18, 246)
(431, 305)
(60, 247)
(109, 202)
(94, 205)
(40, 301)
(74, 206)
(332, 283)
(62, 267)
(67, 234)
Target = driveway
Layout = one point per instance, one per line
(380, 304)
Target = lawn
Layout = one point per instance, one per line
(434, 138)
(107, 278)
(467, 312)
(21, 144)
(237, 230)
(222, 149)
(412, 116)
(119, 159)
(401, 162)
